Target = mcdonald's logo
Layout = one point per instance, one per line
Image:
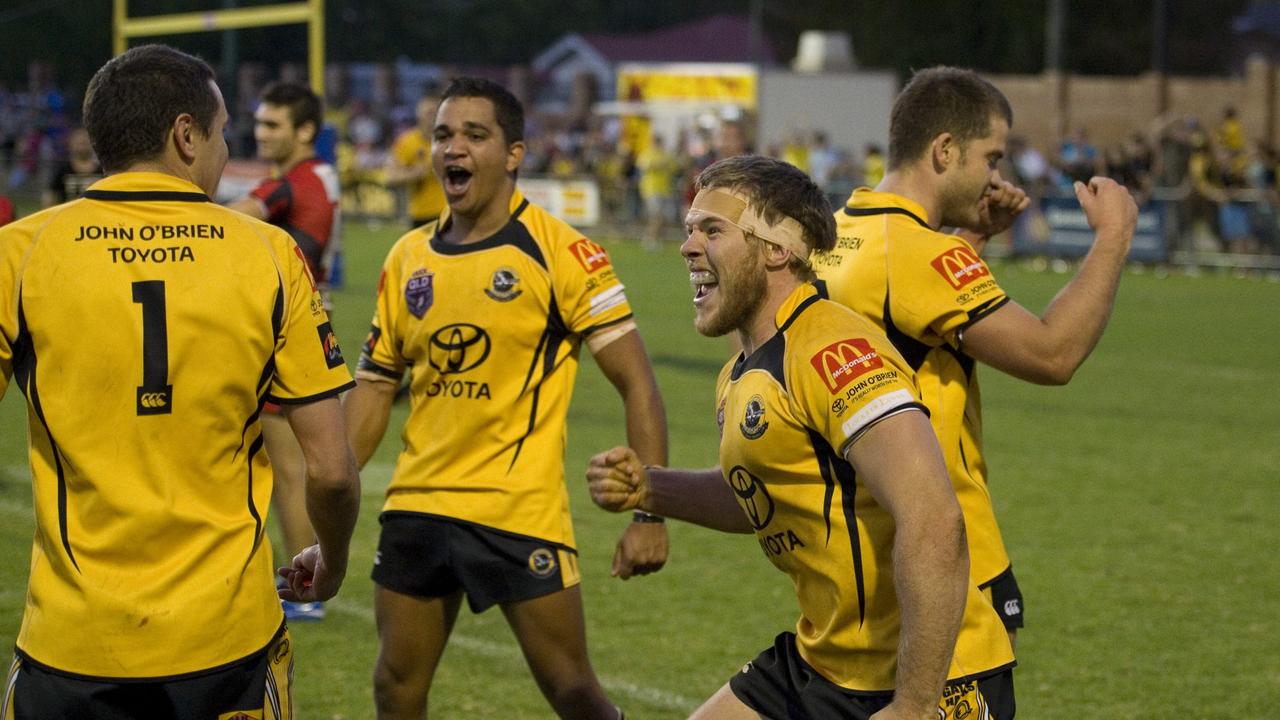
(590, 256)
(840, 363)
(960, 267)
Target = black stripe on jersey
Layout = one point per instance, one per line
(836, 469)
(544, 355)
(863, 212)
(514, 233)
(25, 368)
(911, 349)
(145, 196)
(254, 448)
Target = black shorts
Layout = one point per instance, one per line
(434, 556)
(257, 687)
(1006, 597)
(780, 685)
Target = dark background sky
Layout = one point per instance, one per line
(1002, 36)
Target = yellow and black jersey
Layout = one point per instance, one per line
(146, 326)
(490, 332)
(789, 412)
(426, 195)
(922, 288)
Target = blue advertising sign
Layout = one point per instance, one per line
(1065, 232)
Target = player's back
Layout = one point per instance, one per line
(146, 328)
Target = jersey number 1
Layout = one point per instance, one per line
(155, 395)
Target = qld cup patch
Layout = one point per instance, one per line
(419, 292)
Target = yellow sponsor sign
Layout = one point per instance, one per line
(735, 85)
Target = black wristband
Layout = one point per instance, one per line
(641, 516)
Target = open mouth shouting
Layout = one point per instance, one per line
(703, 282)
(457, 180)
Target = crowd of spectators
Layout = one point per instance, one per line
(1220, 188)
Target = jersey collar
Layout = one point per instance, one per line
(145, 187)
(865, 201)
(516, 207)
(801, 298)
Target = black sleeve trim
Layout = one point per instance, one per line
(313, 398)
(984, 310)
(895, 410)
(368, 365)
(602, 326)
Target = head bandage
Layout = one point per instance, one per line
(736, 209)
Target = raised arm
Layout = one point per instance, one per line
(332, 497)
(643, 547)
(1048, 350)
(899, 460)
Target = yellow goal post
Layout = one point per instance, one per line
(310, 12)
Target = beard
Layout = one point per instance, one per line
(741, 290)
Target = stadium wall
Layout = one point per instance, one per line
(1049, 106)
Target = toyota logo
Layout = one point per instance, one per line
(458, 348)
(753, 495)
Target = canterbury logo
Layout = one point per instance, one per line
(154, 400)
(839, 363)
(960, 267)
(590, 256)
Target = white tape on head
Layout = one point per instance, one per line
(736, 209)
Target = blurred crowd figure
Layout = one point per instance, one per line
(1220, 186)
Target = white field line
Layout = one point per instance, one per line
(496, 651)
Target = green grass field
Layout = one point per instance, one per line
(1139, 505)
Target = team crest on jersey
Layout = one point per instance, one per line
(420, 292)
(753, 424)
(840, 363)
(720, 418)
(960, 267)
(242, 715)
(542, 562)
(329, 342)
(503, 286)
(590, 256)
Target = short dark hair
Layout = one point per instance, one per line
(132, 100)
(304, 106)
(777, 189)
(942, 99)
(506, 108)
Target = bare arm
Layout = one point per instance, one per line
(1049, 350)
(333, 498)
(250, 206)
(626, 364)
(618, 481)
(643, 547)
(368, 409)
(899, 460)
